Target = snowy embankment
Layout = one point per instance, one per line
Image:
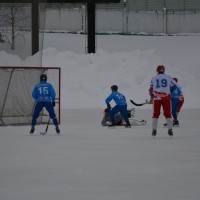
(86, 79)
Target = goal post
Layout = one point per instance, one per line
(16, 86)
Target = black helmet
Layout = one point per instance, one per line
(114, 87)
(43, 77)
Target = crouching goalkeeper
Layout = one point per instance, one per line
(44, 96)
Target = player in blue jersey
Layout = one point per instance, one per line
(177, 102)
(44, 96)
(121, 106)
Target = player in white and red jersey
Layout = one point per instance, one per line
(160, 93)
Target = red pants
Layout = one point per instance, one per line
(180, 104)
(166, 104)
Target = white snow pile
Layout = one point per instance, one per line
(86, 79)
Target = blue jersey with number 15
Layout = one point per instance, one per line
(44, 92)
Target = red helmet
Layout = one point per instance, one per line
(175, 79)
(160, 68)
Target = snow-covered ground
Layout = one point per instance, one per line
(91, 162)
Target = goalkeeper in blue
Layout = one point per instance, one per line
(120, 107)
(44, 96)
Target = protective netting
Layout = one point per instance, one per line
(16, 86)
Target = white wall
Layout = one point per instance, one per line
(109, 21)
(148, 22)
(184, 23)
(63, 19)
(121, 21)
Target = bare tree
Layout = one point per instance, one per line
(12, 18)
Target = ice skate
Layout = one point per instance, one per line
(176, 123)
(111, 125)
(32, 130)
(57, 130)
(128, 125)
(154, 132)
(170, 132)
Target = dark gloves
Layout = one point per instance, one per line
(53, 103)
(151, 100)
(109, 106)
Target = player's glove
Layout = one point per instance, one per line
(53, 103)
(151, 100)
(109, 106)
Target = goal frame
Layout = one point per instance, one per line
(43, 68)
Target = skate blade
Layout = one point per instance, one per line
(176, 126)
(41, 133)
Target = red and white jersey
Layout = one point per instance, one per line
(160, 87)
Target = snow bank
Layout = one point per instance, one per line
(86, 79)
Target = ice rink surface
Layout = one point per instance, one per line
(91, 162)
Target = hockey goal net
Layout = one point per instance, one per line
(16, 86)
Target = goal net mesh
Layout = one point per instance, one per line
(16, 86)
